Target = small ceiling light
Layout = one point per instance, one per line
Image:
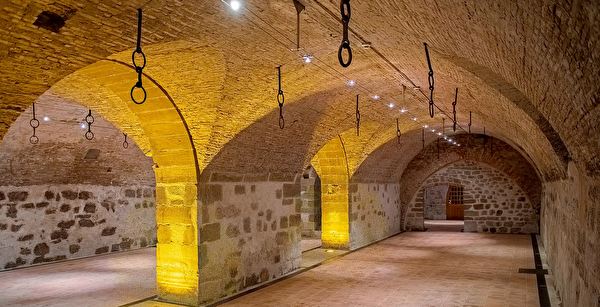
(454, 143)
(439, 133)
(457, 144)
(426, 126)
(403, 110)
(445, 138)
(432, 130)
(351, 83)
(235, 5)
(449, 140)
(415, 119)
(391, 105)
(307, 58)
(46, 118)
(416, 88)
(82, 126)
(376, 97)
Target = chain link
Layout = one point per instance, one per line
(470, 122)
(345, 45)
(139, 68)
(280, 100)
(357, 118)
(431, 83)
(34, 123)
(454, 108)
(125, 143)
(89, 119)
(398, 133)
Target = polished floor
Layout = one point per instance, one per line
(439, 267)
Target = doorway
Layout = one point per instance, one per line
(454, 203)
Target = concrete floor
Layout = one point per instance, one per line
(439, 267)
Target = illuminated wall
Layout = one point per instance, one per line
(332, 167)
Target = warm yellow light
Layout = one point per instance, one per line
(330, 251)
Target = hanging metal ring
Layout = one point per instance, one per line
(345, 45)
(281, 100)
(89, 119)
(143, 57)
(144, 91)
(431, 109)
(281, 121)
(89, 135)
(34, 123)
(34, 139)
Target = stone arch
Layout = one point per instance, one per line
(162, 132)
(494, 202)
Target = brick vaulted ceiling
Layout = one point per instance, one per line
(528, 71)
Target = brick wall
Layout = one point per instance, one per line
(493, 202)
(570, 229)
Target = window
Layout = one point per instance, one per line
(456, 196)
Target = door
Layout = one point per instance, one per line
(454, 204)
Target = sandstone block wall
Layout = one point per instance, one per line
(250, 231)
(493, 202)
(570, 232)
(40, 224)
(374, 212)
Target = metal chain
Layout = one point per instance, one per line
(357, 118)
(431, 82)
(138, 68)
(398, 133)
(89, 119)
(470, 118)
(345, 7)
(34, 123)
(454, 108)
(125, 143)
(280, 101)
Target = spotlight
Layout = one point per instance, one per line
(391, 105)
(415, 119)
(454, 143)
(82, 126)
(426, 126)
(439, 133)
(432, 130)
(307, 58)
(403, 110)
(351, 83)
(445, 138)
(457, 144)
(235, 5)
(376, 97)
(46, 118)
(450, 140)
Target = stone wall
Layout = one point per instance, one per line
(570, 232)
(249, 233)
(374, 212)
(41, 224)
(434, 202)
(59, 202)
(311, 204)
(493, 202)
